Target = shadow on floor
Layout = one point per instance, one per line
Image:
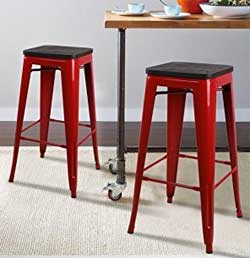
(90, 165)
(86, 165)
(189, 243)
(124, 203)
(226, 212)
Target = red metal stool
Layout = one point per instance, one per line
(69, 60)
(203, 81)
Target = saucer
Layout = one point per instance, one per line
(127, 13)
(162, 15)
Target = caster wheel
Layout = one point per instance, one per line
(113, 197)
(111, 169)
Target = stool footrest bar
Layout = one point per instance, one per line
(196, 158)
(52, 120)
(51, 143)
(30, 126)
(195, 188)
(182, 156)
(62, 122)
(86, 137)
(225, 177)
(156, 162)
(38, 141)
(55, 144)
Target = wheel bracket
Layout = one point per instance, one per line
(115, 189)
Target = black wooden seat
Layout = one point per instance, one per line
(189, 70)
(58, 52)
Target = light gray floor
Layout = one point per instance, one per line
(38, 217)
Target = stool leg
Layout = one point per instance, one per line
(21, 110)
(176, 106)
(232, 140)
(47, 85)
(89, 76)
(70, 87)
(205, 119)
(149, 101)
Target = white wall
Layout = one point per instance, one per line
(29, 23)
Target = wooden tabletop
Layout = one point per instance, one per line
(194, 21)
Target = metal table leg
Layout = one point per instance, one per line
(117, 166)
